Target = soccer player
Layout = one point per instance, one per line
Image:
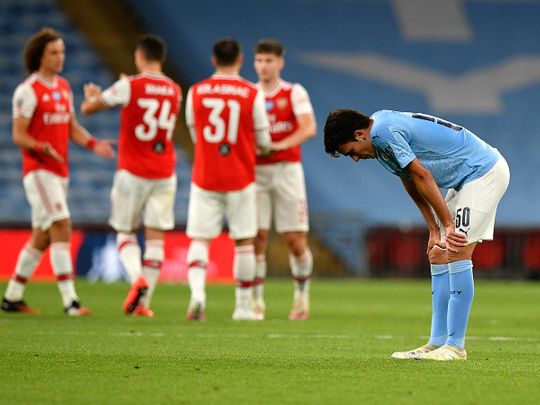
(429, 153)
(227, 122)
(280, 177)
(43, 123)
(145, 182)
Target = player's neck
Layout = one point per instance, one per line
(228, 70)
(152, 71)
(48, 75)
(152, 68)
(156, 70)
(271, 84)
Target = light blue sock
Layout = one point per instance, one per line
(440, 294)
(461, 298)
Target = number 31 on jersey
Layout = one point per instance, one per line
(215, 132)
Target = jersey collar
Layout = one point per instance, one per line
(43, 80)
(225, 76)
(272, 92)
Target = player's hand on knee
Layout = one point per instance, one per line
(455, 240)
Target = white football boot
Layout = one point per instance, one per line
(415, 353)
(445, 353)
(244, 314)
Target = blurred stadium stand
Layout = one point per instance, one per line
(91, 176)
(449, 58)
(475, 62)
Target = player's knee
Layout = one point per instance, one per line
(60, 230)
(462, 253)
(297, 243)
(40, 239)
(260, 241)
(438, 255)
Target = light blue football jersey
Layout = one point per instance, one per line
(453, 154)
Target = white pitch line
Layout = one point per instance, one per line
(315, 336)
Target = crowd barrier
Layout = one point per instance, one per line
(95, 256)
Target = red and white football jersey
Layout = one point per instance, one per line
(224, 113)
(150, 105)
(284, 104)
(49, 105)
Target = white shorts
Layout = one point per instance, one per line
(207, 209)
(133, 197)
(473, 208)
(46, 193)
(281, 188)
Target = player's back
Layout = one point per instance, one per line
(223, 121)
(453, 154)
(146, 148)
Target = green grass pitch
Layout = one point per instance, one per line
(341, 355)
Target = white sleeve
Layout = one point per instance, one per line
(260, 122)
(71, 106)
(24, 101)
(190, 122)
(118, 94)
(301, 103)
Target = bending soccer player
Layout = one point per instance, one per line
(429, 153)
(281, 187)
(228, 122)
(43, 123)
(145, 182)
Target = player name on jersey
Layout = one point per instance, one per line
(223, 90)
(155, 90)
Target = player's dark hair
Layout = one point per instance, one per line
(270, 45)
(340, 126)
(35, 48)
(226, 51)
(153, 47)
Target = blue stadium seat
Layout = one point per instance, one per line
(91, 176)
(346, 54)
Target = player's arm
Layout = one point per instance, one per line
(92, 102)
(24, 107)
(261, 125)
(427, 213)
(96, 100)
(307, 129)
(22, 139)
(428, 189)
(190, 121)
(307, 125)
(79, 135)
